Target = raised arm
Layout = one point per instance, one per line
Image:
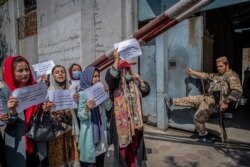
(198, 74)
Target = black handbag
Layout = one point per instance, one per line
(41, 127)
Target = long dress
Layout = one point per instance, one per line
(113, 79)
(62, 150)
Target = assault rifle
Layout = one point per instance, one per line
(217, 97)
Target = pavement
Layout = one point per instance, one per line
(178, 148)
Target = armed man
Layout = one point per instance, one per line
(226, 81)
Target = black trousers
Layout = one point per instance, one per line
(99, 162)
(2, 158)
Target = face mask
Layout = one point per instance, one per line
(76, 74)
(61, 83)
(128, 77)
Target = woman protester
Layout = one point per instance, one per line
(62, 150)
(75, 72)
(127, 89)
(93, 122)
(19, 150)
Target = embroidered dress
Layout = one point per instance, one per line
(62, 150)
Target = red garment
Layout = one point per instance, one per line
(8, 77)
(124, 64)
(129, 153)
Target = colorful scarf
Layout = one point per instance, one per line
(128, 111)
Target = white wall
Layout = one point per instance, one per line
(8, 33)
(28, 49)
(59, 31)
(81, 31)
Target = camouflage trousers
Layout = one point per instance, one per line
(206, 107)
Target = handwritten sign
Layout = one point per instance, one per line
(128, 49)
(1, 112)
(30, 95)
(43, 68)
(76, 84)
(96, 93)
(63, 99)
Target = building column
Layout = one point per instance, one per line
(162, 116)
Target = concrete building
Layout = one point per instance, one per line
(69, 31)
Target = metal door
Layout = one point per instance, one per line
(183, 50)
(148, 73)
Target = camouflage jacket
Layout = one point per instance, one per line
(231, 86)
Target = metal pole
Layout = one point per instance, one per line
(165, 17)
(175, 21)
(180, 11)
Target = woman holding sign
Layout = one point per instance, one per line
(63, 149)
(93, 122)
(127, 89)
(19, 150)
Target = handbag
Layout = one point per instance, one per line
(41, 127)
(62, 122)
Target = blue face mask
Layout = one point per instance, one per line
(128, 77)
(76, 74)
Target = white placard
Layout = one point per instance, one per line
(96, 93)
(128, 49)
(1, 112)
(63, 99)
(30, 95)
(75, 83)
(43, 68)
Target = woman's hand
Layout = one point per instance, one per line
(11, 105)
(76, 96)
(138, 78)
(116, 55)
(4, 117)
(44, 77)
(106, 88)
(47, 106)
(90, 105)
(116, 58)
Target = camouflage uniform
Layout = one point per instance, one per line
(205, 103)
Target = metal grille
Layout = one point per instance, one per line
(27, 25)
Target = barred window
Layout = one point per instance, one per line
(27, 25)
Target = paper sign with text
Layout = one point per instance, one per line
(63, 99)
(30, 95)
(128, 49)
(43, 68)
(96, 93)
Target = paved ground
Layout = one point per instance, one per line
(177, 148)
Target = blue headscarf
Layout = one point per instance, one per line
(86, 82)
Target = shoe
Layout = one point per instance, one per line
(206, 139)
(203, 134)
(168, 100)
